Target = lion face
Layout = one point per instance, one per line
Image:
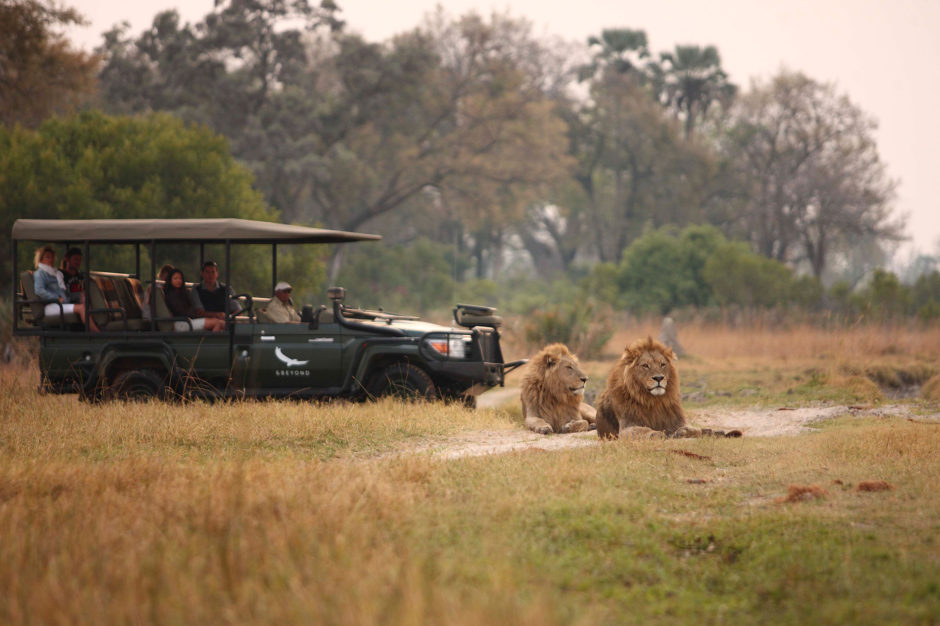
(642, 390)
(558, 372)
(570, 376)
(650, 371)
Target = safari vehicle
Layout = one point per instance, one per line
(335, 351)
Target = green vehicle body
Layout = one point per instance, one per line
(335, 351)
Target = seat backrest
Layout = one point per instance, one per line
(127, 294)
(102, 294)
(163, 311)
(137, 288)
(34, 311)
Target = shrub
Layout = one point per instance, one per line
(739, 277)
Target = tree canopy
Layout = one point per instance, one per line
(807, 160)
(484, 147)
(91, 165)
(40, 73)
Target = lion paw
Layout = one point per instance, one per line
(575, 426)
(544, 430)
(686, 432)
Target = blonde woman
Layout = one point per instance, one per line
(49, 284)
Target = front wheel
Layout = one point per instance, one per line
(402, 380)
(137, 385)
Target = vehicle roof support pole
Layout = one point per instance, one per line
(85, 293)
(137, 259)
(228, 287)
(153, 284)
(273, 266)
(16, 280)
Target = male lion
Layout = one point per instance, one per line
(552, 391)
(642, 396)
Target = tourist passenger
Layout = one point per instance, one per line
(49, 284)
(281, 308)
(72, 273)
(209, 295)
(180, 305)
(161, 276)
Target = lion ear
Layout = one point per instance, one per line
(549, 361)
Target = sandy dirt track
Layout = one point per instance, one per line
(767, 422)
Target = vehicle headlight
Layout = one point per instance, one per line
(450, 346)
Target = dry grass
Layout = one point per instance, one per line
(792, 364)
(295, 513)
(783, 343)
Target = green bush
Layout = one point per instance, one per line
(885, 297)
(740, 277)
(925, 294)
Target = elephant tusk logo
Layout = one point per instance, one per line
(289, 362)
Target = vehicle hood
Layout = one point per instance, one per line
(412, 328)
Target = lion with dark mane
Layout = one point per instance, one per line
(642, 396)
(553, 393)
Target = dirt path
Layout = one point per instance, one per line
(752, 422)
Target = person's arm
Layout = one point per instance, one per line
(197, 302)
(234, 307)
(42, 291)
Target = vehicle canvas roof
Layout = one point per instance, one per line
(217, 230)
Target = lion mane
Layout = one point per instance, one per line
(642, 397)
(552, 393)
(642, 392)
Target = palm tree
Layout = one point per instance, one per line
(619, 50)
(690, 80)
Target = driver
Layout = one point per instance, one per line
(281, 308)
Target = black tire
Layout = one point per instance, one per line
(137, 385)
(402, 380)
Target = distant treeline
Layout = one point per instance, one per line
(492, 161)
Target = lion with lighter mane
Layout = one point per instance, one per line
(553, 393)
(642, 396)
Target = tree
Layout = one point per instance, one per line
(815, 180)
(690, 80)
(664, 269)
(471, 137)
(449, 118)
(622, 51)
(95, 166)
(634, 170)
(40, 74)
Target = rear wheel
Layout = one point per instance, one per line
(137, 385)
(403, 380)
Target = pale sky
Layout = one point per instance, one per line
(885, 54)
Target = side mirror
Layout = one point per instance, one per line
(336, 294)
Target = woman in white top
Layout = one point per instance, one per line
(49, 284)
